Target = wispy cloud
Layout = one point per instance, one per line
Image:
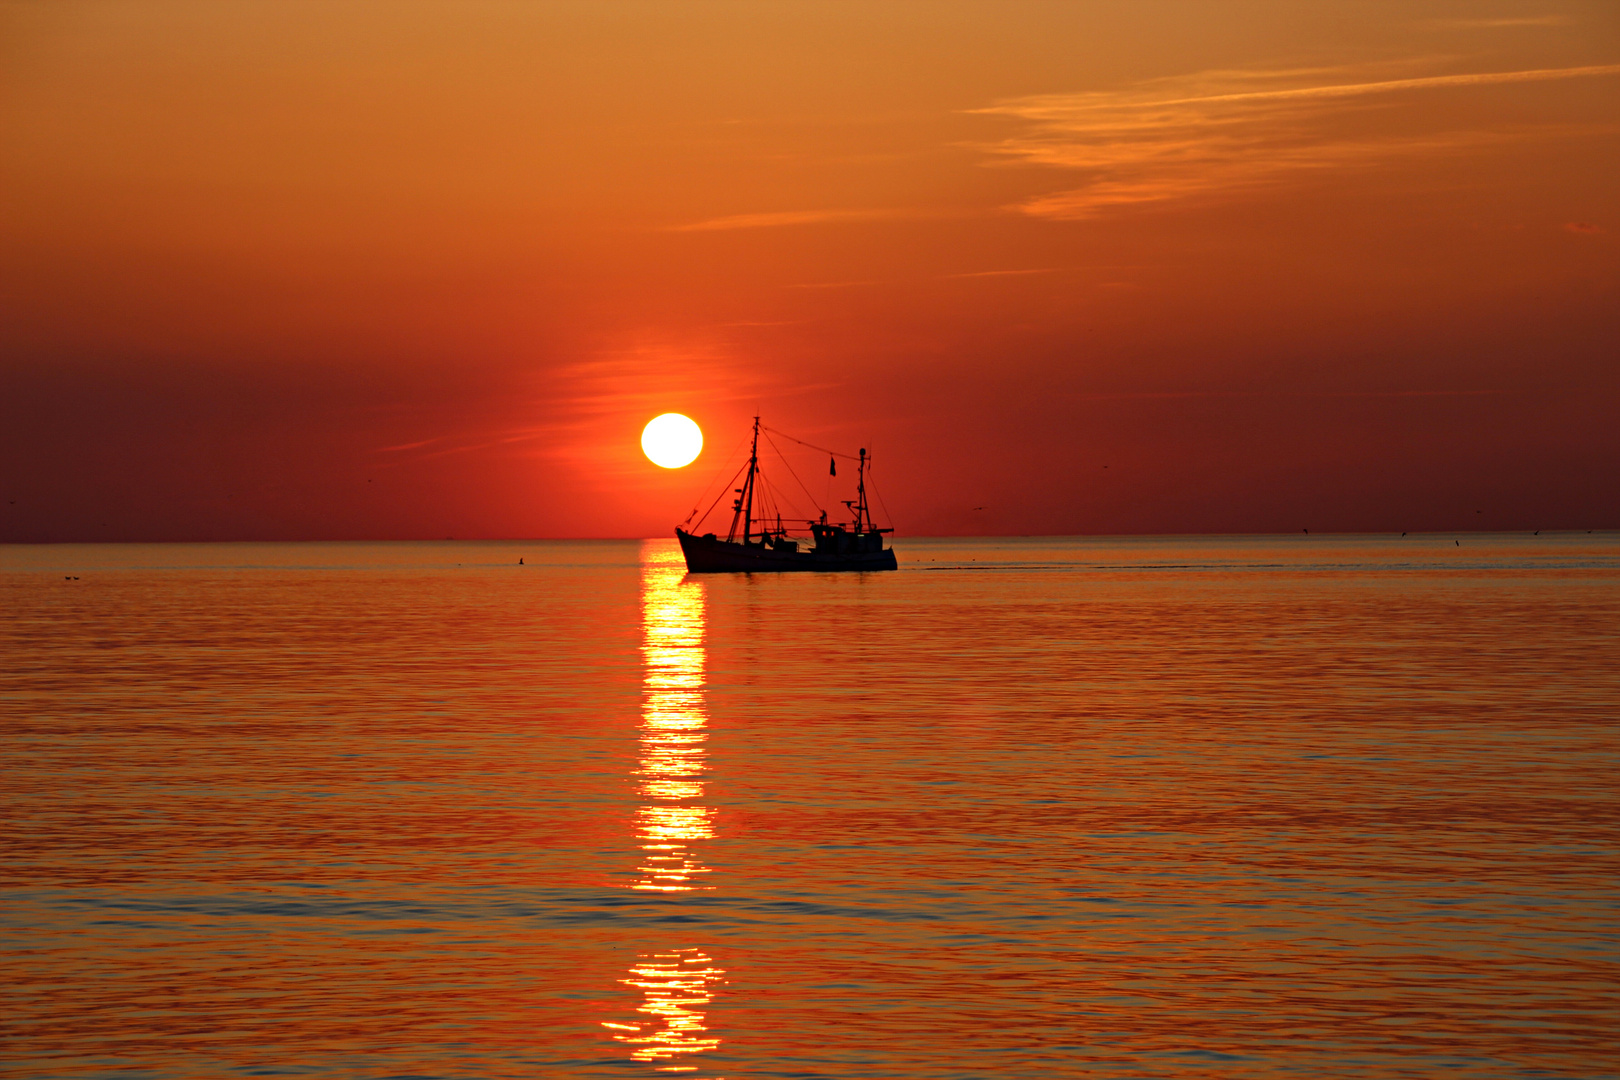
(1004, 273)
(1508, 23)
(836, 284)
(451, 445)
(786, 217)
(1225, 130)
(1175, 395)
(408, 446)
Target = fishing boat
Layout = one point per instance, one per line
(753, 546)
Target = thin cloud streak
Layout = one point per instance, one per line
(1499, 24)
(409, 445)
(1175, 395)
(1224, 131)
(787, 217)
(1065, 103)
(1004, 273)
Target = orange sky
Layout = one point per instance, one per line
(322, 270)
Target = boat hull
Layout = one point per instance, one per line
(709, 555)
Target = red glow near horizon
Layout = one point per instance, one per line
(335, 272)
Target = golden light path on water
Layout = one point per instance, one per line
(1254, 808)
(675, 984)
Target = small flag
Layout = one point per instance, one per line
(832, 466)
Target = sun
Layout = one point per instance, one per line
(671, 440)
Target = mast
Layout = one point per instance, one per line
(863, 515)
(748, 492)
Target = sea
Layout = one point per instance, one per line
(1250, 806)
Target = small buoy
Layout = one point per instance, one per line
(1457, 542)
(520, 560)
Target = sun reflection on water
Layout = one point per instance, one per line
(673, 760)
(674, 984)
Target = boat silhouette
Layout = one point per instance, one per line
(832, 545)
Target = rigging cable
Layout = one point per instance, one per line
(876, 492)
(813, 446)
(791, 473)
(772, 499)
(724, 462)
(717, 498)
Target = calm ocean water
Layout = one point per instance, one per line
(1240, 807)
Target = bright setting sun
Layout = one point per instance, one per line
(671, 440)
